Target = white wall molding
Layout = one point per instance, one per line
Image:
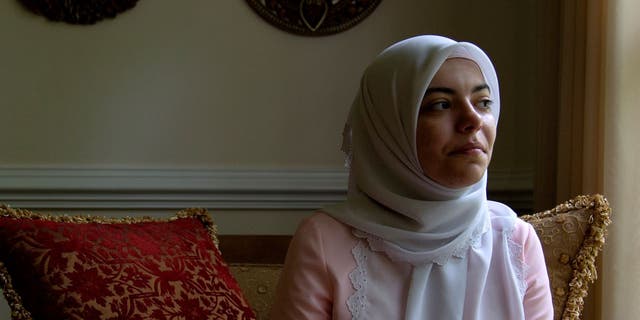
(55, 188)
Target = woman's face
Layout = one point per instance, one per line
(456, 128)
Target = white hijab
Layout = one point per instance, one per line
(402, 212)
(407, 215)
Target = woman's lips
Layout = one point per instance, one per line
(469, 149)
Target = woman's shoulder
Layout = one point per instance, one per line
(320, 220)
(504, 218)
(326, 230)
(321, 237)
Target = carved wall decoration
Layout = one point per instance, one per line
(314, 17)
(78, 11)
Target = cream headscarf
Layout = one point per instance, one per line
(412, 219)
(390, 200)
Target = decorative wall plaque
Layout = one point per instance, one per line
(78, 11)
(314, 17)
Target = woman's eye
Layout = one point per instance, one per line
(440, 105)
(485, 104)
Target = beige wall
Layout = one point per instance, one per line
(209, 84)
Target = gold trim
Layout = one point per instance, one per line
(584, 264)
(18, 311)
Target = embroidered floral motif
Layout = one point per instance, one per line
(357, 302)
(378, 244)
(516, 255)
(472, 241)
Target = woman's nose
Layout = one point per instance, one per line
(469, 120)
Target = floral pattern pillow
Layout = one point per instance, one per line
(61, 267)
(572, 234)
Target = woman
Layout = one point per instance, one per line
(416, 237)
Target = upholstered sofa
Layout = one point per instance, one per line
(245, 268)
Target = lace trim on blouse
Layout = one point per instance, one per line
(358, 301)
(377, 244)
(516, 254)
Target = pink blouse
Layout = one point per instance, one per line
(316, 283)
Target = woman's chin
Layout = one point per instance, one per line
(456, 179)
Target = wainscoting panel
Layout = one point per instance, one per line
(55, 188)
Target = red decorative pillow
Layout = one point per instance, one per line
(61, 267)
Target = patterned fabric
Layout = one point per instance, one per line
(60, 267)
(572, 234)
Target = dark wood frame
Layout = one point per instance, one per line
(314, 17)
(78, 11)
(259, 249)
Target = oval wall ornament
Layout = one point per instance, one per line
(313, 17)
(78, 11)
